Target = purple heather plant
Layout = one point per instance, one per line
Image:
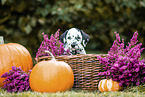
(16, 80)
(124, 64)
(54, 45)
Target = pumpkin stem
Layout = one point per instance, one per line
(1, 40)
(53, 58)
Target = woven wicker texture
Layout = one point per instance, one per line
(85, 68)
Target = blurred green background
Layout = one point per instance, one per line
(23, 21)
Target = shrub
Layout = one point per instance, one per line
(16, 80)
(54, 45)
(124, 64)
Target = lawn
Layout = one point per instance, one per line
(130, 92)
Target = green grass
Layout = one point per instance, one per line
(130, 92)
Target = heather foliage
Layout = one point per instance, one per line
(124, 64)
(16, 80)
(54, 45)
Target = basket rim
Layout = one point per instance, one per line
(71, 56)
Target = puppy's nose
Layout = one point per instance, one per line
(72, 45)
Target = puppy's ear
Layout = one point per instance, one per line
(85, 38)
(63, 37)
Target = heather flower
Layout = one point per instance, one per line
(123, 63)
(16, 80)
(54, 45)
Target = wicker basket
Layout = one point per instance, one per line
(85, 68)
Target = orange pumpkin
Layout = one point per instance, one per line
(108, 85)
(14, 54)
(51, 76)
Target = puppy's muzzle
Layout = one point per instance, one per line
(73, 45)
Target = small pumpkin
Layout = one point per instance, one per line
(51, 76)
(14, 54)
(106, 85)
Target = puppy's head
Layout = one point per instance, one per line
(73, 37)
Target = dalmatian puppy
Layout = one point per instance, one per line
(74, 40)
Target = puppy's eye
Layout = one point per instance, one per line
(78, 38)
(69, 37)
